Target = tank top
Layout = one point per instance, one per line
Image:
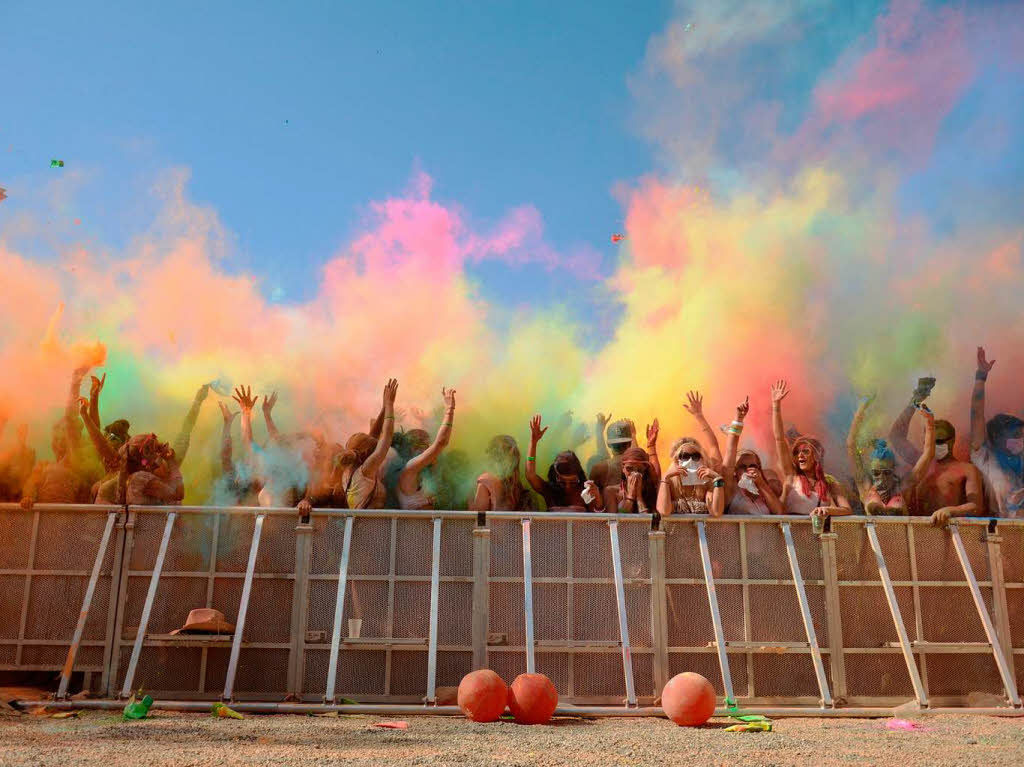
(365, 492)
(690, 499)
(742, 503)
(418, 500)
(798, 503)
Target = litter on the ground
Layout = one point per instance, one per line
(751, 727)
(137, 709)
(65, 715)
(902, 724)
(222, 711)
(392, 725)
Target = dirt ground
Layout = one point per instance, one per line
(168, 738)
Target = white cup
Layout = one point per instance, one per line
(355, 625)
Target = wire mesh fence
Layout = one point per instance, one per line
(874, 612)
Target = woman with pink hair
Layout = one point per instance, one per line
(806, 488)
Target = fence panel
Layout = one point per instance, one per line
(46, 561)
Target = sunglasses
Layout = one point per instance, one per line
(688, 456)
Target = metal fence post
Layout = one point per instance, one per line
(528, 595)
(339, 611)
(994, 542)
(979, 602)
(897, 617)
(481, 594)
(833, 615)
(118, 570)
(716, 616)
(805, 612)
(659, 608)
(300, 608)
(435, 588)
(243, 609)
(83, 615)
(147, 608)
(620, 602)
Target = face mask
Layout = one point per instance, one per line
(691, 465)
(941, 451)
(747, 483)
(1015, 446)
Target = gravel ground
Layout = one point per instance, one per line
(168, 738)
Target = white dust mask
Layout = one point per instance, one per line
(941, 451)
(691, 465)
(747, 483)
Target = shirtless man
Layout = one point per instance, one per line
(950, 488)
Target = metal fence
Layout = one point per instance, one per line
(390, 606)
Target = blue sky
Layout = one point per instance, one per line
(502, 103)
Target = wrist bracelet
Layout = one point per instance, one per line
(389, 418)
(531, 458)
(446, 423)
(718, 483)
(980, 375)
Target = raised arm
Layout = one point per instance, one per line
(243, 396)
(860, 474)
(779, 391)
(536, 432)
(268, 407)
(226, 463)
(372, 464)
(71, 409)
(898, 432)
(95, 388)
(928, 454)
(377, 424)
(695, 406)
(181, 442)
(652, 449)
(409, 478)
(732, 444)
(105, 451)
(978, 400)
(600, 424)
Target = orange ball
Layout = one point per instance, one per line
(532, 699)
(482, 696)
(688, 699)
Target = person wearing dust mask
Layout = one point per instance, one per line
(881, 489)
(996, 449)
(950, 488)
(688, 486)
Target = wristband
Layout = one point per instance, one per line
(980, 375)
(718, 483)
(389, 418)
(446, 423)
(531, 458)
(736, 427)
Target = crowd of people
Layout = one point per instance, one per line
(385, 468)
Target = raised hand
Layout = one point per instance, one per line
(866, 399)
(779, 391)
(652, 432)
(695, 404)
(97, 385)
(535, 431)
(269, 402)
(83, 406)
(243, 396)
(448, 395)
(602, 420)
(202, 392)
(226, 413)
(742, 409)
(708, 475)
(983, 364)
(390, 392)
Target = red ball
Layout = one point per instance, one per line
(482, 696)
(688, 699)
(532, 699)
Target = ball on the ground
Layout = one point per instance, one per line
(482, 696)
(688, 699)
(532, 699)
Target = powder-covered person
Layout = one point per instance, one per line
(997, 449)
(806, 488)
(410, 490)
(950, 488)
